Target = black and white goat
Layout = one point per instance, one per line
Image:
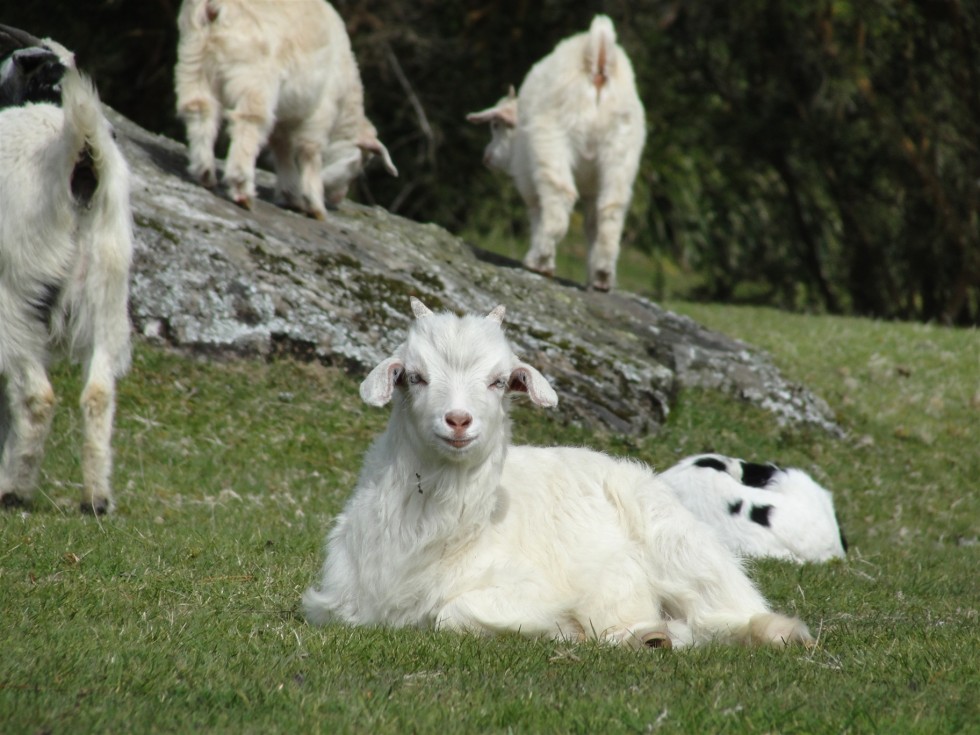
(30, 70)
(65, 252)
(759, 510)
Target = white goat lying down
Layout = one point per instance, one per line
(451, 526)
(759, 509)
(284, 74)
(65, 251)
(575, 129)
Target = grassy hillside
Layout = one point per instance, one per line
(179, 612)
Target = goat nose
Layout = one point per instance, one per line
(458, 420)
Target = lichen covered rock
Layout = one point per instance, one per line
(212, 277)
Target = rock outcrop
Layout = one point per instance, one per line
(210, 276)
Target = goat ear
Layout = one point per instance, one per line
(511, 92)
(483, 116)
(419, 309)
(378, 386)
(505, 113)
(371, 144)
(497, 314)
(525, 379)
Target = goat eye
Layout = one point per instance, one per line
(416, 379)
(499, 383)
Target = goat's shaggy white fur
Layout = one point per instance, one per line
(759, 510)
(576, 128)
(451, 526)
(284, 74)
(65, 252)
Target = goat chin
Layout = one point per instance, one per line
(457, 448)
(491, 537)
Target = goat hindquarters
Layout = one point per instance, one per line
(64, 283)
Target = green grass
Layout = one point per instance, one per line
(179, 612)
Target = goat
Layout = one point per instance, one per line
(759, 509)
(65, 253)
(451, 527)
(30, 70)
(576, 128)
(284, 75)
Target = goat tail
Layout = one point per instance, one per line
(600, 51)
(80, 104)
(98, 292)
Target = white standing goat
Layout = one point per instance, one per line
(65, 252)
(576, 128)
(283, 74)
(450, 526)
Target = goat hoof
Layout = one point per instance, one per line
(243, 201)
(290, 206)
(11, 501)
(95, 507)
(320, 216)
(656, 639)
(208, 180)
(602, 281)
(547, 271)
